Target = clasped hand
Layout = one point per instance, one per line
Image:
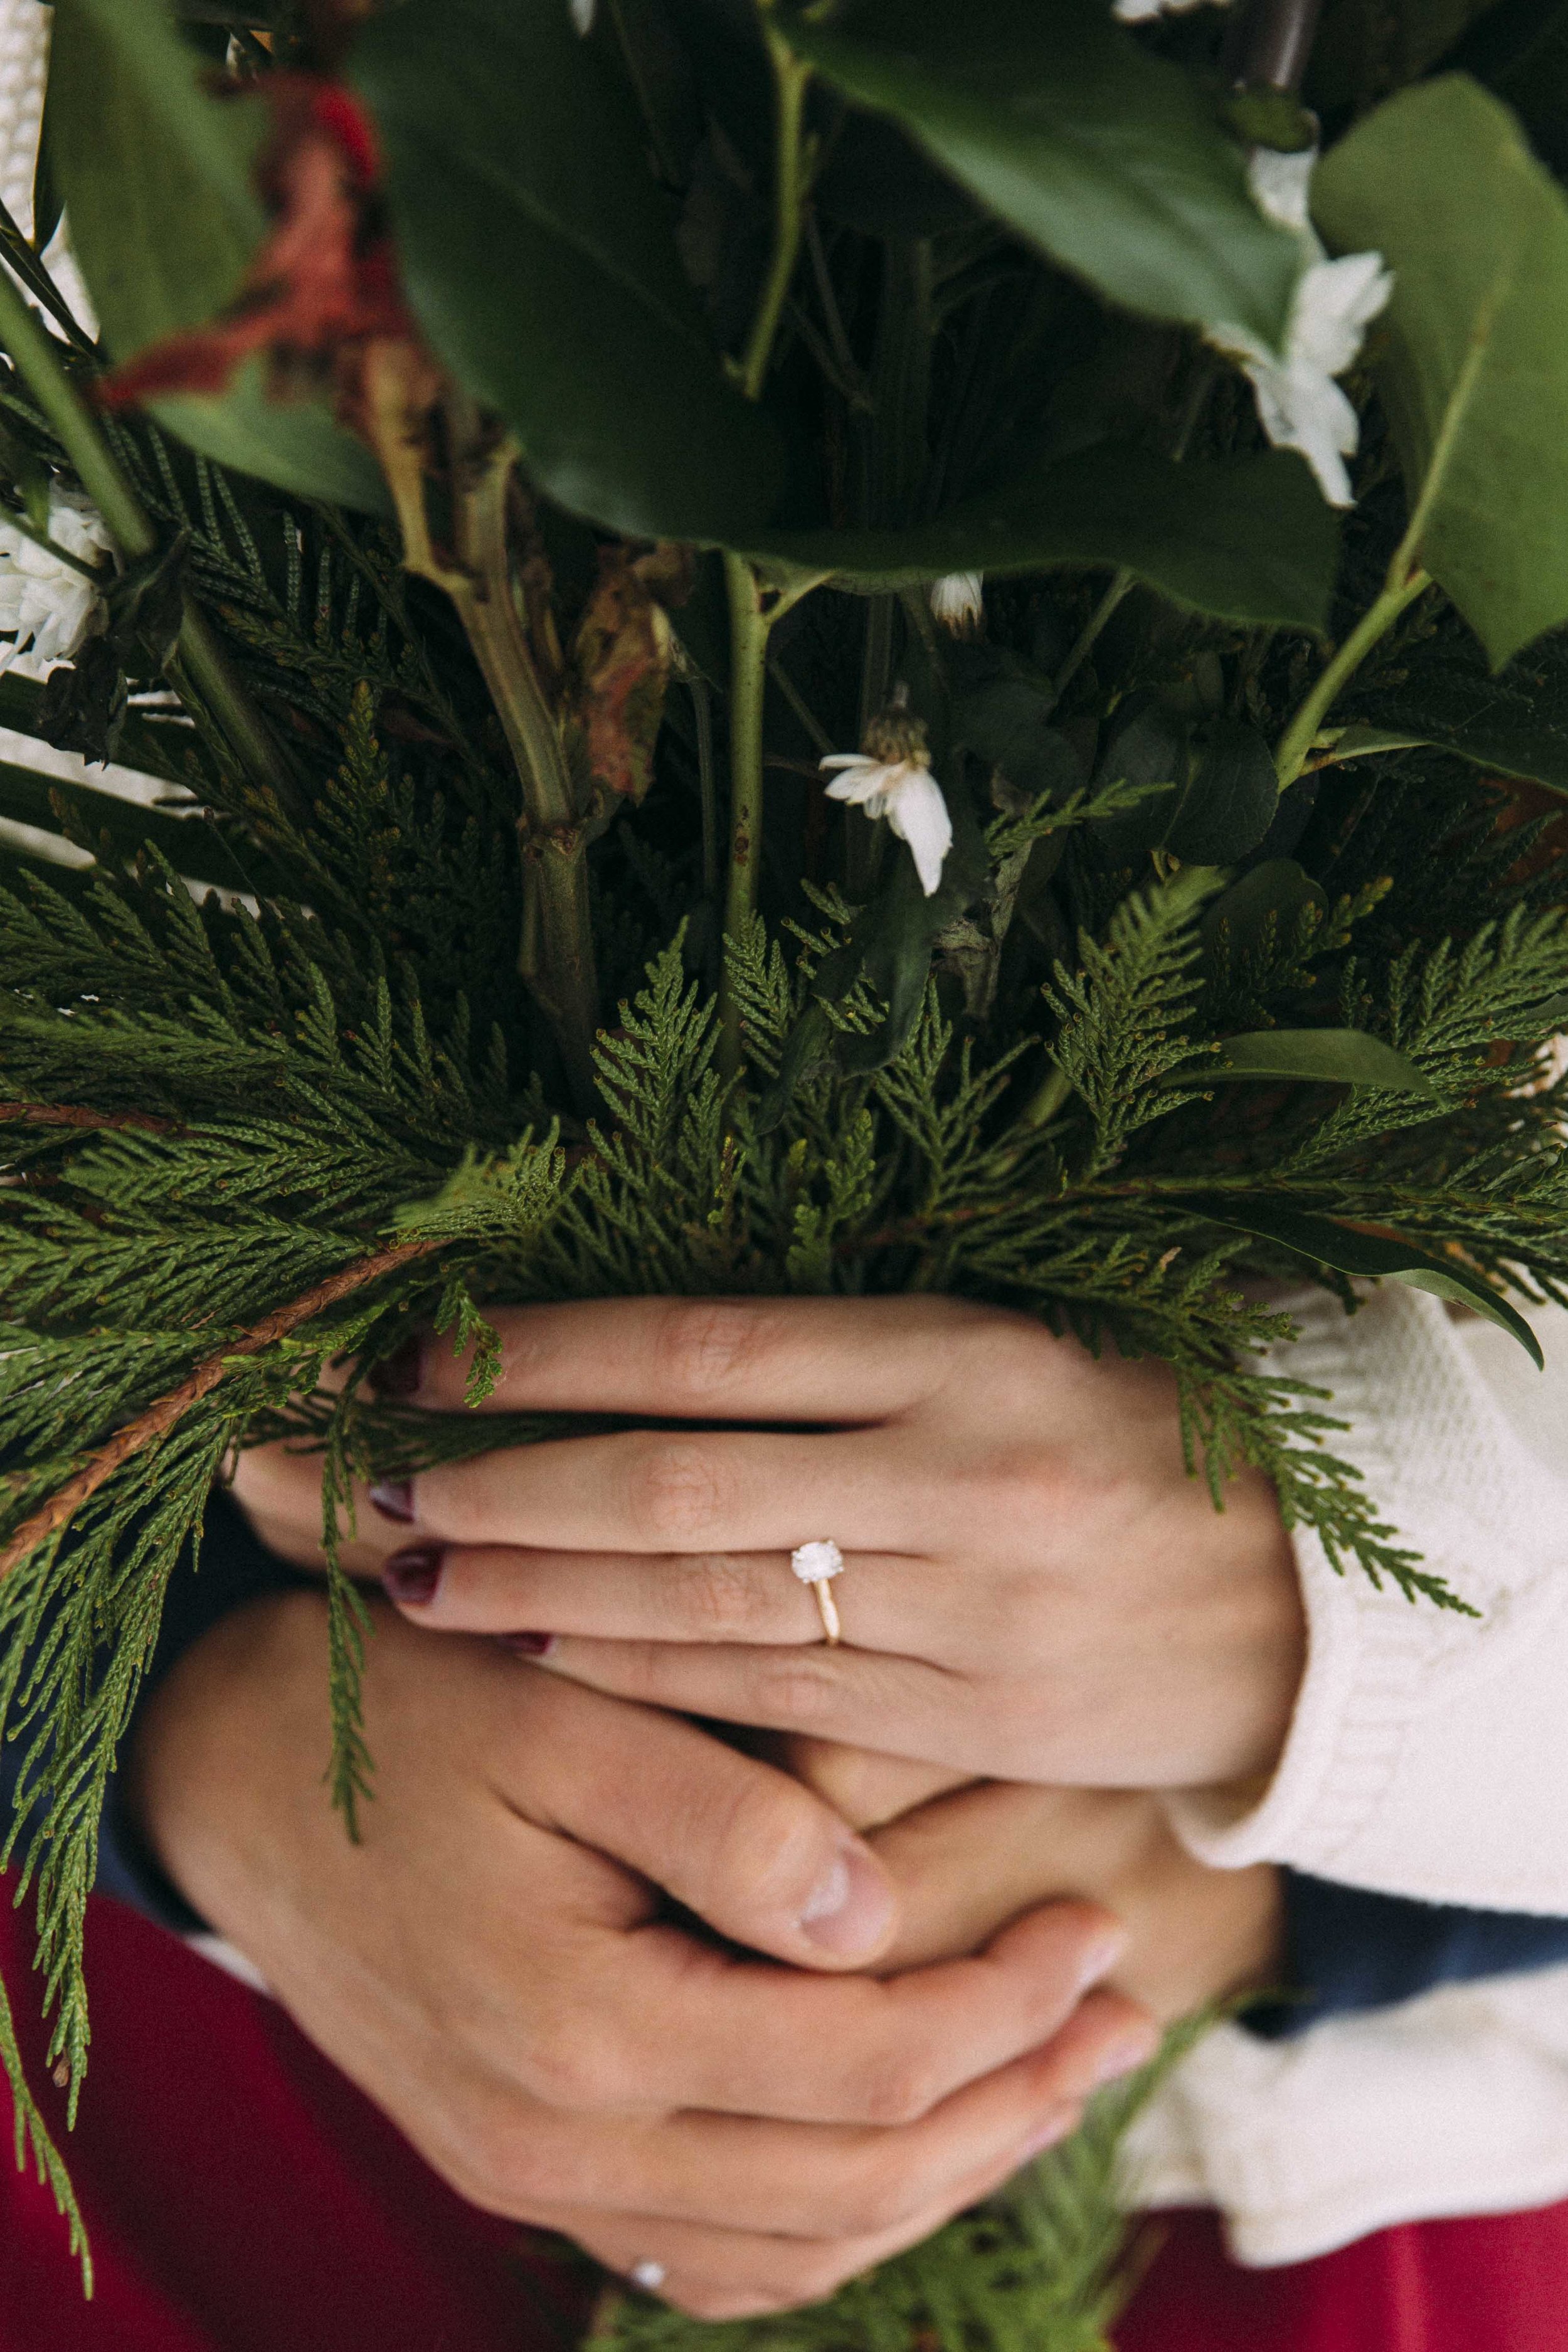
(1037, 1590)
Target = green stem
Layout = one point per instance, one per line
(791, 176)
(1400, 590)
(1097, 620)
(749, 628)
(199, 661)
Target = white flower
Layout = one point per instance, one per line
(1300, 405)
(583, 16)
(957, 603)
(907, 794)
(45, 606)
(1143, 12)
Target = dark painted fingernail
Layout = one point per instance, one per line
(528, 1645)
(396, 1377)
(393, 1499)
(412, 1575)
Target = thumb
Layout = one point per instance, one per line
(757, 1856)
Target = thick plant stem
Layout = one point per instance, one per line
(1400, 589)
(749, 632)
(791, 181)
(557, 957)
(199, 663)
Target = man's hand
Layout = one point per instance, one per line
(555, 2046)
(1035, 1589)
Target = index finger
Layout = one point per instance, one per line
(739, 2038)
(818, 1360)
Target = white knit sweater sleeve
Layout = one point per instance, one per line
(1428, 1752)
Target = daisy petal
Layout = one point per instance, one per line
(918, 814)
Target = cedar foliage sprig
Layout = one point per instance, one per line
(308, 1056)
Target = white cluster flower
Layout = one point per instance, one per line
(46, 607)
(583, 16)
(892, 780)
(957, 603)
(1300, 405)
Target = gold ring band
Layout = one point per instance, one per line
(818, 1563)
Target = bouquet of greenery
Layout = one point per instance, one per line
(771, 674)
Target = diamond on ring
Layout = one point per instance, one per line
(816, 1564)
(649, 2275)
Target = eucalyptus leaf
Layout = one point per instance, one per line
(1372, 1255)
(1250, 542)
(1106, 158)
(1334, 1056)
(542, 265)
(164, 222)
(1471, 354)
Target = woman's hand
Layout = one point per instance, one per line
(554, 2047)
(1036, 1590)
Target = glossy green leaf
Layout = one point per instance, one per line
(539, 256)
(1371, 1254)
(1519, 49)
(1334, 1056)
(163, 222)
(1107, 158)
(1472, 356)
(1250, 542)
(1229, 800)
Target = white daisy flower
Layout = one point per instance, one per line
(1299, 403)
(45, 608)
(890, 778)
(957, 603)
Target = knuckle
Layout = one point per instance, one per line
(717, 1596)
(882, 2198)
(579, 2070)
(795, 1690)
(677, 1494)
(705, 1341)
(898, 2090)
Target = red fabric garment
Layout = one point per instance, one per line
(242, 2197)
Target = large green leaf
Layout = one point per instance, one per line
(1472, 356)
(1331, 1056)
(1371, 1254)
(1250, 542)
(1110, 161)
(164, 221)
(539, 256)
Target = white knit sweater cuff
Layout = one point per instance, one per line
(1398, 1771)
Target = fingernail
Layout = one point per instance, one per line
(396, 1377)
(1047, 2135)
(1101, 1956)
(1132, 2049)
(850, 1907)
(393, 1499)
(528, 1645)
(412, 1575)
